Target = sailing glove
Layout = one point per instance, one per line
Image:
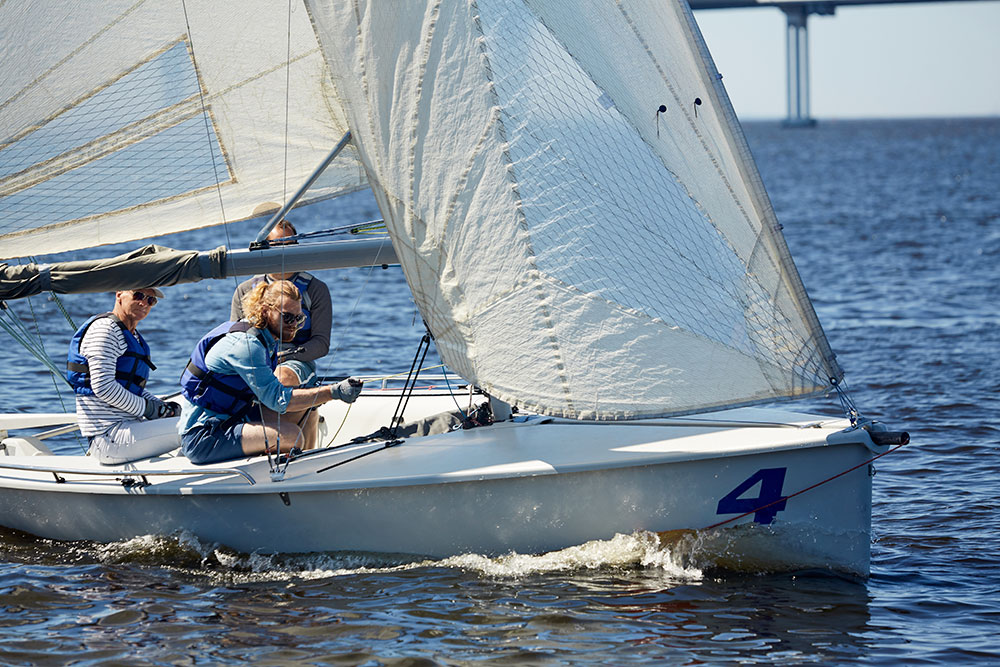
(346, 390)
(157, 409)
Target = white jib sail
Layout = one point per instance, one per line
(125, 119)
(574, 249)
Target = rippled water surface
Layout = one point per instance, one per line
(896, 231)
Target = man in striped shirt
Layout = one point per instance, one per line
(108, 365)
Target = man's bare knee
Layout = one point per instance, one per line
(287, 376)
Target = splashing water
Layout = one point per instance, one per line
(640, 549)
(186, 552)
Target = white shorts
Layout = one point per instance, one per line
(135, 439)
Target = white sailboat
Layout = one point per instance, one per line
(576, 212)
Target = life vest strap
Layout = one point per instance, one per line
(142, 357)
(209, 378)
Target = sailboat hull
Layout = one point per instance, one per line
(529, 487)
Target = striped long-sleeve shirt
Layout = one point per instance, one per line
(111, 403)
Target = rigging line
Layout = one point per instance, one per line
(62, 309)
(292, 453)
(808, 488)
(391, 443)
(208, 129)
(410, 385)
(38, 333)
(377, 378)
(846, 401)
(288, 69)
(284, 184)
(218, 183)
(36, 347)
(350, 318)
(398, 375)
(267, 446)
(45, 360)
(58, 301)
(284, 198)
(352, 230)
(465, 417)
(17, 330)
(34, 318)
(357, 228)
(55, 384)
(339, 428)
(28, 338)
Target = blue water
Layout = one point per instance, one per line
(895, 227)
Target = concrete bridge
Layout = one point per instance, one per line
(797, 42)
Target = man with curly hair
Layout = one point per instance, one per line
(237, 405)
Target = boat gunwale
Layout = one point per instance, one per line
(296, 478)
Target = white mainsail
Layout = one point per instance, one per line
(125, 119)
(574, 249)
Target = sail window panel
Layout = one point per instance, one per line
(151, 88)
(641, 240)
(178, 161)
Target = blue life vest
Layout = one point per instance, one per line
(301, 281)
(227, 394)
(131, 370)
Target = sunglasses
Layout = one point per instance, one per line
(148, 298)
(293, 320)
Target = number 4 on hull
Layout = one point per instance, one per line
(764, 505)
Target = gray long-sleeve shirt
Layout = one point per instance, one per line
(320, 313)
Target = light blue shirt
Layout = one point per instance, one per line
(240, 353)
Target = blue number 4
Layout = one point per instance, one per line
(764, 505)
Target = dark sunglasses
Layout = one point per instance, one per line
(293, 320)
(148, 298)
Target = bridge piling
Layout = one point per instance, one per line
(797, 67)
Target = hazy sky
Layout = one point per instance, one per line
(907, 60)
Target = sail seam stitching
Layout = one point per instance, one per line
(71, 55)
(531, 256)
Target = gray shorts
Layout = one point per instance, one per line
(213, 441)
(305, 370)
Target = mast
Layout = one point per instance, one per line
(302, 190)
